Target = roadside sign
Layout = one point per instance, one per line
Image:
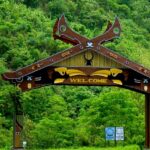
(119, 133)
(110, 133)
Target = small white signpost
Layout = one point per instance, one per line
(24, 143)
(119, 134)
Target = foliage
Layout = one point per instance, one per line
(71, 116)
(130, 147)
(134, 147)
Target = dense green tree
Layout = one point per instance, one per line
(112, 108)
(61, 116)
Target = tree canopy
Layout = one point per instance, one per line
(65, 116)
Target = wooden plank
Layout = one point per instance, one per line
(147, 121)
(122, 77)
(123, 61)
(44, 63)
(18, 123)
(98, 61)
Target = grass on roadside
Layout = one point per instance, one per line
(130, 147)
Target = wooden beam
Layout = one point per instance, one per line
(126, 78)
(147, 121)
(18, 124)
(17, 132)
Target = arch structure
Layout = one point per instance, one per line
(87, 62)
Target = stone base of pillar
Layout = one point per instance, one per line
(146, 148)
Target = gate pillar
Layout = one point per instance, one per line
(18, 125)
(147, 121)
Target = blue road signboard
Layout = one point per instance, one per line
(110, 133)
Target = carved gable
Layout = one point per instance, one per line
(90, 58)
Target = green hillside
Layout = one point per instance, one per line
(68, 116)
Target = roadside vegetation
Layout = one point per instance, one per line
(68, 116)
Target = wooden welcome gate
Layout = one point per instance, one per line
(88, 62)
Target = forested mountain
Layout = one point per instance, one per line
(61, 116)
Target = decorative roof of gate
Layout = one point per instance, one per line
(81, 45)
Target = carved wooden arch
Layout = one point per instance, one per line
(45, 72)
